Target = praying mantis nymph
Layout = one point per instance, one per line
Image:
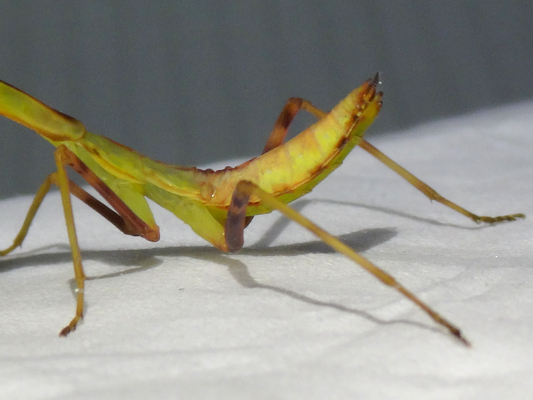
(217, 205)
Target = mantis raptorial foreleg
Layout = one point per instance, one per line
(119, 221)
(125, 218)
(294, 105)
(81, 194)
(234, 238)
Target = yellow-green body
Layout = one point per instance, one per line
(215, 204)
(201, 197)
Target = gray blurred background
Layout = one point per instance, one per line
(195, 82)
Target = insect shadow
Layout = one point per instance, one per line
(139, 260)
(281, 224)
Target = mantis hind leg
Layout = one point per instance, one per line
(234, 238)
(291, 108)
(294, 105)
(430, 192)
(281, 126)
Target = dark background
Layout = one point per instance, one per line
(194, 82)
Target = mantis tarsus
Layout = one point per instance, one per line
(217, 205)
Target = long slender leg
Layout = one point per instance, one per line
(79, 274)
(126, 220)
(38, 199)
(430, 192)
(235, 225)
(294, 105)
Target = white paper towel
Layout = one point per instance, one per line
(287, 318)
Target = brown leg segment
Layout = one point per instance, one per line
(291, 108)
(236, 220)
(131, 225)
(122, 224)
(235, 225)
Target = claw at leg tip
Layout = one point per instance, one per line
(464, 340)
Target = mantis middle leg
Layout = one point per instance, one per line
(235, 224)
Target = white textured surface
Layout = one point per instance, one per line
(286, 318)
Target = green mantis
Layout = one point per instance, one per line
(217, 205)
